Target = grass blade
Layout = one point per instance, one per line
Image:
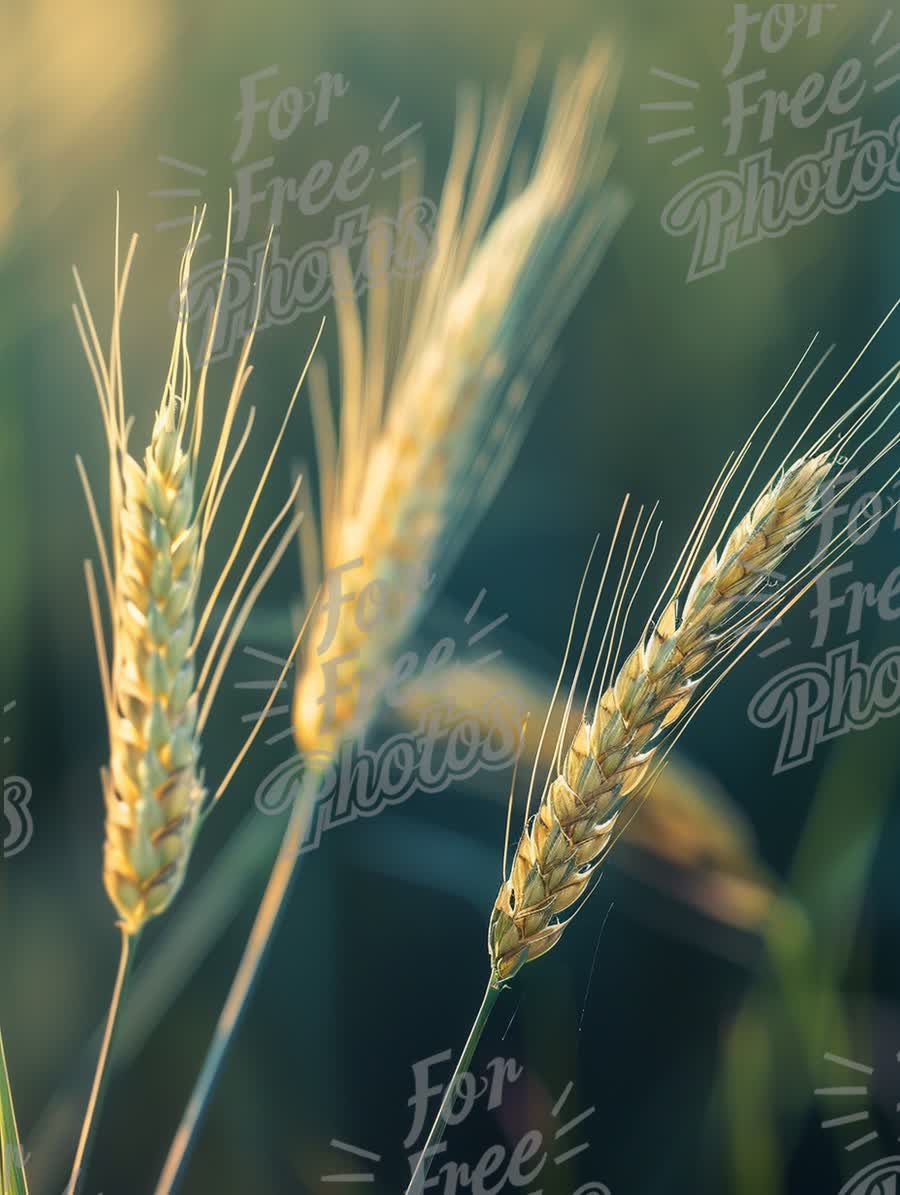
(12, 1159)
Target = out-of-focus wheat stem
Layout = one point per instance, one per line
(267, 916)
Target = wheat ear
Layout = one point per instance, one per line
(154, 787)
(430, 425)
(704, 619)
(157, 688)
(613, 753)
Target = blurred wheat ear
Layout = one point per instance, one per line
(157, 692)
(432, 411)
(434, 391)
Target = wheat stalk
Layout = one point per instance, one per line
(157, 690)
(703, 621)
(431, 415)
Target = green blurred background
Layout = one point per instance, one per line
(687, 1042)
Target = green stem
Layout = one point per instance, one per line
(433, 1142)
(267, 918)
(98, 1089)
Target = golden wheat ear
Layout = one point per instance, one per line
(707, 615)
(434, 388)
(157, 690)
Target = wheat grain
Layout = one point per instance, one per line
(429, 425)
(157, 692)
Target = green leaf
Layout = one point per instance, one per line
(12, 1157)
